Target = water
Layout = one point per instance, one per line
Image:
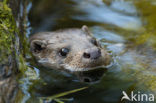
(125, 27)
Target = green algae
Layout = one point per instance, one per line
(10, 46)
(8, 38)
(7, 31)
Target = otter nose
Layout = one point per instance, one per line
(92, 54)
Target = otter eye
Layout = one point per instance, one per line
(94, 42)
(63, 52)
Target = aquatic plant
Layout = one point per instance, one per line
(57, 96)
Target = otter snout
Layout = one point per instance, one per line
(92, 54)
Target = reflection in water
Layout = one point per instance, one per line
(100, 12)
(125, 7)
(100, 34)
(91, 76)
(113, 41)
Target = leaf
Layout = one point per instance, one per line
(56, 97)
(64, 93)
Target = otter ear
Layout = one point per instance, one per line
(37, 46)
(86, 30)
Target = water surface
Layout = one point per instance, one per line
(124, 27)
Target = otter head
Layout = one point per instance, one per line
(70, 49)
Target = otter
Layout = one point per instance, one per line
(70, 49)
